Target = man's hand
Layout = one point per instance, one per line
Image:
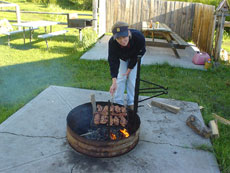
(113, 87)
(127, 72)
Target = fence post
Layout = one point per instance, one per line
(221, 12)
(219, 36)
(95, 8)
(18, 15)
(102, 18)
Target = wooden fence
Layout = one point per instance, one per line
(189, 20)
(204, 27)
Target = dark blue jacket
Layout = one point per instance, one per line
(136, 46)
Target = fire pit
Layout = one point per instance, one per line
(97, 140)
(89, 136)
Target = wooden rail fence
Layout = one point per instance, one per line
(192, 21)
(189, 20)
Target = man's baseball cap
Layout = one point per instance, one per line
(120, 29)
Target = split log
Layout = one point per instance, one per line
(214, 128)
(221, 119)
(165, 106)
(198, 127)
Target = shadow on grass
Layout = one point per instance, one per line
(35, 40)
(60, 49)
(20, 83)
(17, 81)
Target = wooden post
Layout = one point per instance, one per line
(212, 36)
(221, 12)
(7, 4)
(18, 15)
(95, 8)
(102, 17)
(219, 36)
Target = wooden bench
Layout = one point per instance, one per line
(181, 43)
(9, 33)
(161, 30)
(52, 34)
(176, 42)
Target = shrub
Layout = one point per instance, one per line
(39, 1)
(82, 4)
(89, 38)
(79, 4)
(43, 1)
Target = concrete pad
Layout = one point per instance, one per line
(153, 55)
(34, 138)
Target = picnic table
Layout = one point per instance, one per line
(34, 25)
(174, 41)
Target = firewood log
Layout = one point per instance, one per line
(214, 128)
(221, 119)
(198, 127)
(167, 107)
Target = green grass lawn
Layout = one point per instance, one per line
(25, 71)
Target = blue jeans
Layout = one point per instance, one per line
(125, 83)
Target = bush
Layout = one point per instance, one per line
(39, 1)
(209, 2)
(89, 38)
(43, 1)
(82, 4)
(79, 4)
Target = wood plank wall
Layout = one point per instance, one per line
(204, 27)
(189, 20)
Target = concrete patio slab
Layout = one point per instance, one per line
(153, 55)
(34, 138)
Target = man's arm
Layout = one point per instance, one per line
(113, 87)
(113, 60)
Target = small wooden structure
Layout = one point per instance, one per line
(221, 12)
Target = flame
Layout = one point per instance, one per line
(113, 136)
(124, 132)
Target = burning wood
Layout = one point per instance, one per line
(113, 136)
(124, 132)
(117, 115)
